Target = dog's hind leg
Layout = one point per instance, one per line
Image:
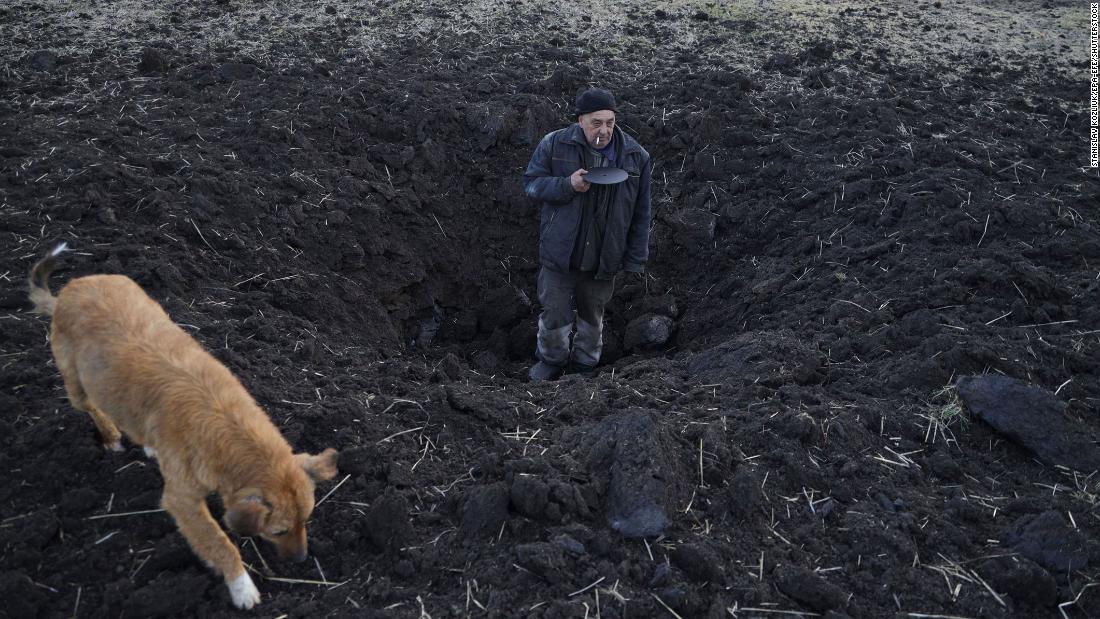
(108, 431)
(211, 544)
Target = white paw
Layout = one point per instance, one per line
(115, 446)
(150, 453)
(245, 594)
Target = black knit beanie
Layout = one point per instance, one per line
(594, 100)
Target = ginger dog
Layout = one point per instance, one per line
(126, 364)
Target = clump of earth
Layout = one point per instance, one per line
(845, 385)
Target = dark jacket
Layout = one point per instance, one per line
(626, 238)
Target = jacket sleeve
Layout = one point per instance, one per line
(637, 237)
(537, 180)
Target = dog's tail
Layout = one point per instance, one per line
(38, 281)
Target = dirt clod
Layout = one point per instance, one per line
(1033, 417)
(847, 219)
(1048, 540)
(484, 511)
(809, 589)
(647, 332)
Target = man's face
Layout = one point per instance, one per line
(598, 127)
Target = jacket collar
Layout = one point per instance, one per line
(576, 135)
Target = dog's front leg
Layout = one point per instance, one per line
(211, 544)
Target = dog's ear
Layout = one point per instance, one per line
(320, 467)
(246, 514)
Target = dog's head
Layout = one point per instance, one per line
(278, 509)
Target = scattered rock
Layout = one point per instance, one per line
(492, 122)
(486, 407)
(798, 426)
(486, 361)
(153, 60)
(632, 453)
(399, 474)
(405, 569)
(38, 529)
(237, 71)
(394, 156)
(738, 501)
(660, 575)
(698, 562)
(43, 60)
(648, 332)
(169, 595)
(451, 365)
(13, 152)
(172, 555)
(767, 357)
(783, 62)
(694, 229)
(674, 596)
(569, 545)
(1031, 417)
(13, 299)
(809, 589)
(944, 466)
(529, 496)
(106, 215)
(387, 521)
(1027, 505)
(1049, 541)
(821, 50)
(357, 460)
(542, 559)
(78, 500)
(1022, 580)
(818, 78)
(21, 597)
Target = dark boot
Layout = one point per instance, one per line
(587, 371)
(543, 371)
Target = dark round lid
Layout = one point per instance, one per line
(606, 176)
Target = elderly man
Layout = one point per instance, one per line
(588, 232)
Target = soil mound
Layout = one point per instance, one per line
(848, 219)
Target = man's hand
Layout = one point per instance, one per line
(576, 179)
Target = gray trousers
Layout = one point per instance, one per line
(562, 295)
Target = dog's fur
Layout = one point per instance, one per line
(136, 373)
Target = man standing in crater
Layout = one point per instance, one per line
(588, 232)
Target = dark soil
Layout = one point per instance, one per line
(849, 219)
